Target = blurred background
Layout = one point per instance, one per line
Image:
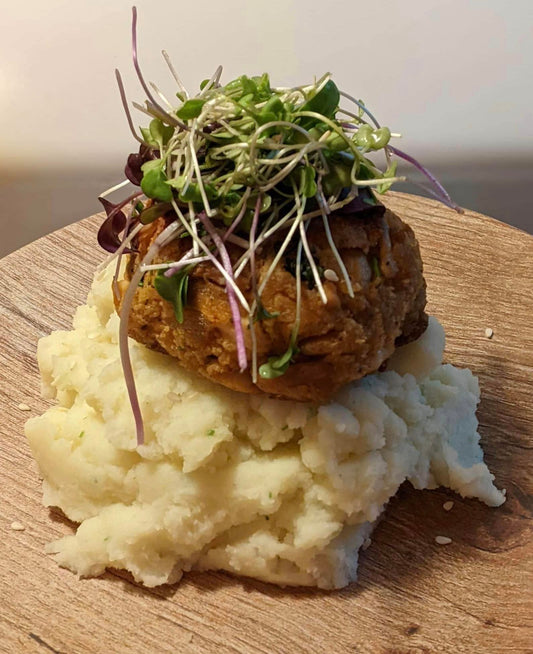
(453, 76)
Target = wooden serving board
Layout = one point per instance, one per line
(473, 595)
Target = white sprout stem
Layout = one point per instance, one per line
(124, 100)
(323, 206)
(316, 275)
(377, 182)
(213, 81)
(209, 212)
(185, 260)
(296, 326)
(268, 233)
(144, 110)
(282, 249)
(221, 149)
(174, 264)
(229, 128)
(188, 169)
(284, 147)
(232, 299)
(124, 325)
(175, 74)
(161, 95)
(310, 258)
(194, 228)
(273, 215)
(276, 161)
(251, 323)
(114, 188)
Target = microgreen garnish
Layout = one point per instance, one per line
(191, 109)
(243, 163)
(174, 289)
(109, 233)
(154, 181)
(324, 102)
(262, 314)
(278, 366)
(147, 216)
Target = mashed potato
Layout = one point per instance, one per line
(281, 491)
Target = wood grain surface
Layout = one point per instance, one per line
(413, 596)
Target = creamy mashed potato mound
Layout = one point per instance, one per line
(281, 491)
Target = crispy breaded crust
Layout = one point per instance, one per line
(338, 342)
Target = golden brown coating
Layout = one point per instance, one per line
(338, 342)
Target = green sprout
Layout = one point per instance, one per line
(174, 289)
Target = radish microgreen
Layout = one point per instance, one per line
(174, 289)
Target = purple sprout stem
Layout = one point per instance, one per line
(172, 120)
(124, 99)
(442, 194)
(232, 298)
(122, 204)
(253, 232)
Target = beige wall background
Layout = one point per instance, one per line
(453, 76)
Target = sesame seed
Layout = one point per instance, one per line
(331, 275)
(443, 540)
(366, 544)
(447, 506)
(24, 407)
(489, 333)
(17, 526)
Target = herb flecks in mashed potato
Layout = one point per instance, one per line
(282, 491)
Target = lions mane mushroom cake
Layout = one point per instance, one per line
(282, 378)
(339, 340)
